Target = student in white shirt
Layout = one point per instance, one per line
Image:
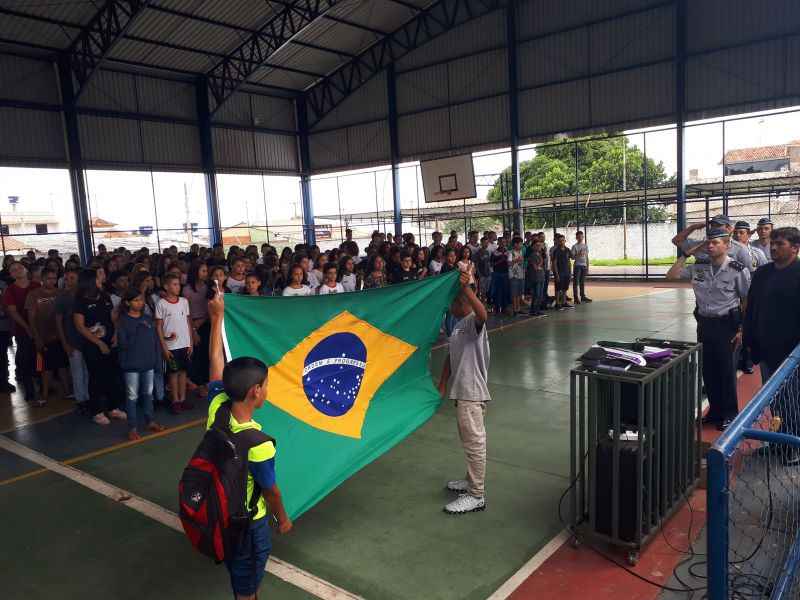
(347, 275)
(296, 285)
(329, 284)
(236, 280)
(174, 327)
(437, 260)
(315, 275)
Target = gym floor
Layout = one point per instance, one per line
(70, 533)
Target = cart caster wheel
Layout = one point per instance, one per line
(575, 542)
(633, 558)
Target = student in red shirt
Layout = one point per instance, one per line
(14, 302)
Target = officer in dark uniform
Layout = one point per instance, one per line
(720, 285)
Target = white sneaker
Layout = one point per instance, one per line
(118, 414)
(465, 503)
(101, 419)
(458, 485)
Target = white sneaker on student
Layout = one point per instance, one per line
(465, 503)
(118, 414)
(101, 419)
(458, 485)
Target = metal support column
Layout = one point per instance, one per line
(394, 148)
(681, 26)
(309, 231)
(77, 180)
(513, 111)
(207, 159)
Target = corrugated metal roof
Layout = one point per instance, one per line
(34, 32)
(37, 135)
(79, 12)
(715, 23)
(287, 79)
(26, 79)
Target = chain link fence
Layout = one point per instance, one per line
(754, 495)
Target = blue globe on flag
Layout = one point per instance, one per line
(333, 372)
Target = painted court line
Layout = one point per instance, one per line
(281, 569)
(530, 567)
(108, 450)
(50, 417)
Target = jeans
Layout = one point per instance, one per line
(138, 390)
(80, 376)
(158, 382)
(579, 281)
(500, 291)
(537, 297)
(246, 568)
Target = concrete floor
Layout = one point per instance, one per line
(379, 535)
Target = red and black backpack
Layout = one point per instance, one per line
(212, 492)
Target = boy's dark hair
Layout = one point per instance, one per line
(170, 276)
(112, 279)
(516, 240)
(331, 266)
(405, 254)
(790, 234)
(240, 375)
(253, 274)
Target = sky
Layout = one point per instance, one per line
(129, 199)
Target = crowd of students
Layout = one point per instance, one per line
(131, 330)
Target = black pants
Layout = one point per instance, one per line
(25, 362)
(578, 281)
(198, 371)
(5, 342)
(105, 391)
(719, 365)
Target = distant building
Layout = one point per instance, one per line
(763, 159)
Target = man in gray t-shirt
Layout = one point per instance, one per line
(467, 369)
(580, 268)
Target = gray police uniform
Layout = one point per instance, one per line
(756, 257)
(764, 248)
(718, 293)
(736, 251)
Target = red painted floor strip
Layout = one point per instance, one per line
(581, 574)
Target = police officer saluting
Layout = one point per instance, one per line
(720, 285)
(735, 250)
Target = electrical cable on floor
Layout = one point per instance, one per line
(610, 558)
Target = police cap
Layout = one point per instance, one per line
(720, 220)
(717, 233)
(742, 225)
(764, 221)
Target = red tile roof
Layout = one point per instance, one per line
(759, 153)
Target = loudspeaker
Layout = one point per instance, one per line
(627, 485)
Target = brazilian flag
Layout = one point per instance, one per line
(348, 376)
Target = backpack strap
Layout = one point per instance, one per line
(222, 418)
(245, 440)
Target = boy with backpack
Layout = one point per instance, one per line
(235, 392)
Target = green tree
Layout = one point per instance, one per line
(601, 163)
